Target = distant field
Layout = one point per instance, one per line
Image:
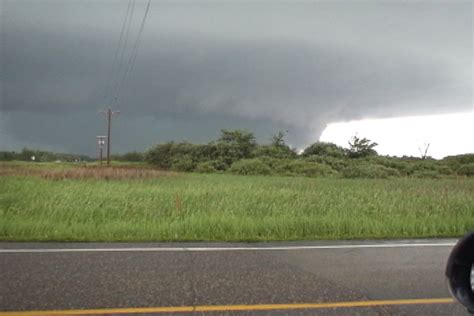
(70, 203)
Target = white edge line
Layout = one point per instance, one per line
(210, 249)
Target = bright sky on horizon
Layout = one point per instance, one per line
(449, 134)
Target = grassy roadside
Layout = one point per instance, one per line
(184, 207)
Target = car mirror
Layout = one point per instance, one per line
(460, 272)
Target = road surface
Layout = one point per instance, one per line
(296, 278)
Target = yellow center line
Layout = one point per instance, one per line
(230, 308)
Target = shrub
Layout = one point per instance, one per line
(274, 163)
(370, 171)
(445, 170)
(280, 152)
(405, 168)
(228, 153)
(324, 149)
(467, 170)
(163, 155)
(459, 159)
(250, 167)
(235, 145)
(206, 167)
(220, 165)
(305, 168)
(429, 174)
(8, 155)
(422, 165)
(335, 163)
(204, 152)
(184, 164)
(160, 155)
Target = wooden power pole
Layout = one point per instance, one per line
(109, 113)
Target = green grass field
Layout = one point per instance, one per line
(155, 206)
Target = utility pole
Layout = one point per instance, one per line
(109, 113)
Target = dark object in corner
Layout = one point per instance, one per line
(459, 269)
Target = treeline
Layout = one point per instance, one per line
(238, 152)
(41, 156)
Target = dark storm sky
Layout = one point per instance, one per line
(206, 65)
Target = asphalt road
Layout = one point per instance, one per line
(157, 275)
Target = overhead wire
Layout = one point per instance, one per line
(133, 55)
(114, 67)
(121, 62)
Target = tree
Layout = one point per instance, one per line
(277, 149)
(26, 154)
(278, 140)
(424, 150)
(237, 137)
(241, 142)
(8, 155)
(361, 147)
(161, 155)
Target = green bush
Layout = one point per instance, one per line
(445, 171)
(459, 159)
(163, 155)
(428, 174)
(206, 167)
(423, 165)
(370, 171)
(324, 149)
(467, 170)
(337, 164)
(220, 164)
(8, 155)
(234, 145)
(405, 168)
(274, 163)
(160, 155)
(281, 152)
(429, 169)
(305, 168)
(184, 164)
(250, 167)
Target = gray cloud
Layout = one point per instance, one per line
(203, 66)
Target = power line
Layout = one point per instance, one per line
(133, 55)
(117, 50)
(127, 68)
(122, 53)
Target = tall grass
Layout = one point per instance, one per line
(86, 171)
(225, 207)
